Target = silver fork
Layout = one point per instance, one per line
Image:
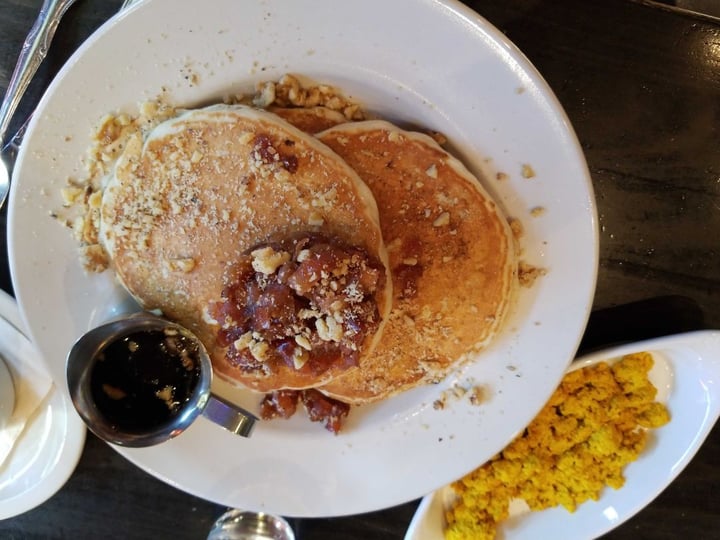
(33, 52)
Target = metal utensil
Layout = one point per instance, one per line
(9, 149)
(33, 52)
(241, 525)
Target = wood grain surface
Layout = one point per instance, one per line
(641, 86)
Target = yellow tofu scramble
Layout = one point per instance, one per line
(593, 426)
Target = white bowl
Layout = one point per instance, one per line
(687, 376)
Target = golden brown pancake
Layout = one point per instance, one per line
(311, 120)
(202, 192)
(452, 259)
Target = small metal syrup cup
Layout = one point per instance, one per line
(84, 355)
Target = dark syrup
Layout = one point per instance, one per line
(142, 381)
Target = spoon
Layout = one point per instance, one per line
(33, 52)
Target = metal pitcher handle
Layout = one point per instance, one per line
(233, 418)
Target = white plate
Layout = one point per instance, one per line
(687, 376)
(48, 450)
(431, 63)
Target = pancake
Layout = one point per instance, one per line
(214, 190)
(452, 259)
(310, 120)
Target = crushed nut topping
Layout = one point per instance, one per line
(82, 197)
(266, 260)
(442, 220)
(115, 133)
(185, 265)
(516, 227)
(289, 92)
(528, 274)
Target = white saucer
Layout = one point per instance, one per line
(7, 393)
(49, 449)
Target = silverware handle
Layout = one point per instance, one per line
(34, 51)
(13, 143)
(229, 416)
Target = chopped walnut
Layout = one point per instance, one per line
(315, 219)
(528, 171)
(477, 395)
(259, 350)
(303, 341)
(71, 195)
(289, 92)
(184, 265)
(82, 198)
(528, 274)
(244, 341)
(442, 220)
(265, 95)
(266, 260)
(95, 258)
(328, 329)
(516, 227)
(300, 357)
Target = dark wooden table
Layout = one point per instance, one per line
(641, 86)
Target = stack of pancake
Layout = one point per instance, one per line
(203, 190)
